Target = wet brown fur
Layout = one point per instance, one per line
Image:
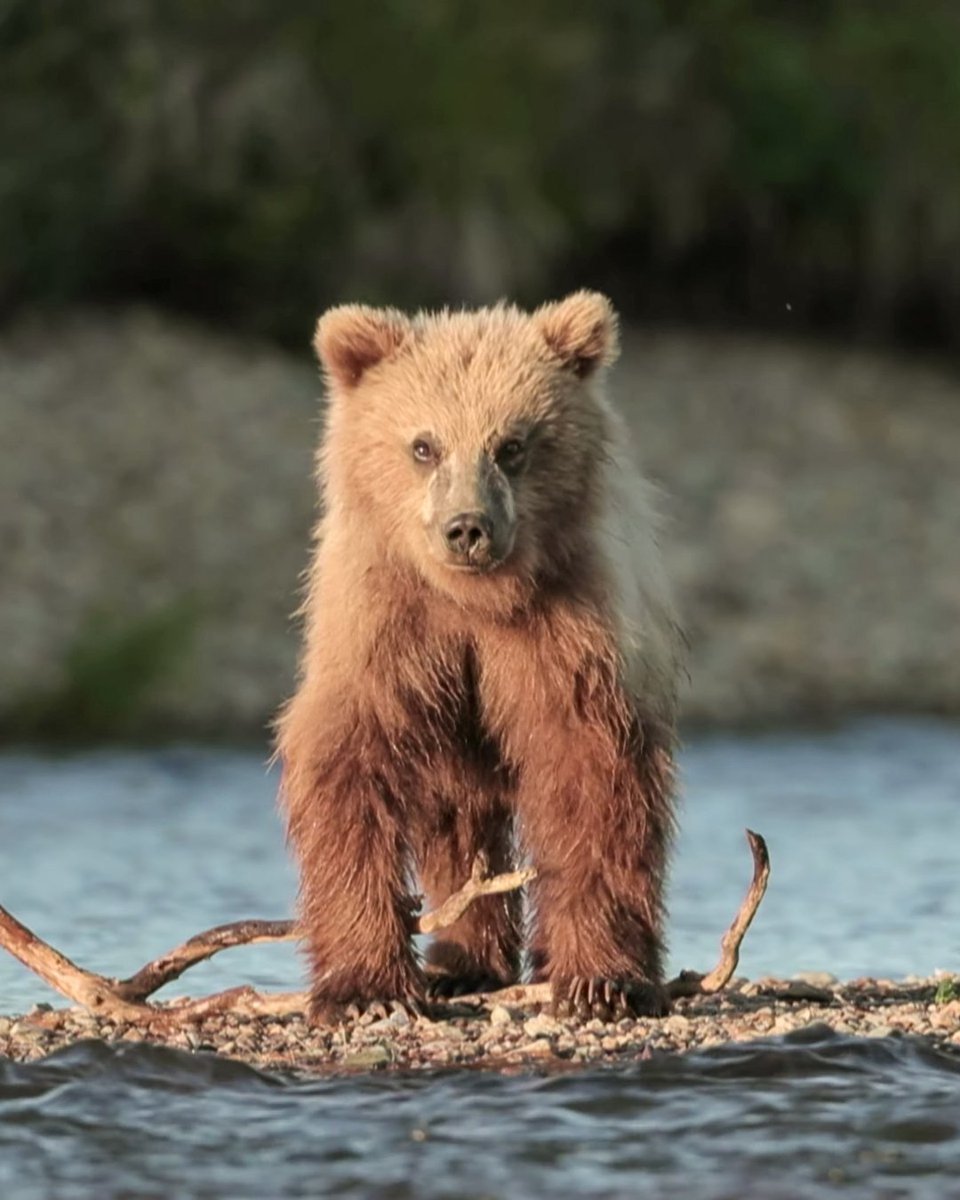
(436, 708)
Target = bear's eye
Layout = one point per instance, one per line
(510, 453)
(423, 451)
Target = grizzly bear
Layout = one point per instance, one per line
(490, 661)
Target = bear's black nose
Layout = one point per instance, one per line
(469, 536)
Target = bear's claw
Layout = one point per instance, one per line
(608, 999)
(332, 1012)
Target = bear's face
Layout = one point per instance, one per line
(469, 444)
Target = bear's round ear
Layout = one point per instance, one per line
(352, 338)
(582, 330)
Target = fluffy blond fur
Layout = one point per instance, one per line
(444, 699)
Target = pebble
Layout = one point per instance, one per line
(817, 979)
(499, 1015)
(541, 1048)
(370, 1058)
(946, 1016)
(378, 1027)
(763, 1020)
(586, 1052)
(445, 1032)
(542, 1024)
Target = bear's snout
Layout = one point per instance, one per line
(470, 514)
(469, 538)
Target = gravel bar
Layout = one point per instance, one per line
(507, 1037)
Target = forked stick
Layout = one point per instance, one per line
(687, 983)
(201, 946)
(126, 999)
(479, 884)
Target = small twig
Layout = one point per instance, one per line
(238, 1001)
(201, 946)
(479, 884)
(722, 973)
(523, 995)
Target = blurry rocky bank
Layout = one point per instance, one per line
(156, 499)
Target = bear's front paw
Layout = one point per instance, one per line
(608, 999)
(338, 1012)
(347, 1000)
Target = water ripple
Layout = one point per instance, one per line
(794, 1117)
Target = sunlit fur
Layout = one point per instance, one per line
(436, 707)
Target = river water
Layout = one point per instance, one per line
(113, 856)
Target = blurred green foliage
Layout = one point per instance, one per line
(252, 161)
(109, 675)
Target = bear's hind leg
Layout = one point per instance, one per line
(481, 952)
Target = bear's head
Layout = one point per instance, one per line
(468, 446)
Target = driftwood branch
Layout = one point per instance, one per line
(126, 999)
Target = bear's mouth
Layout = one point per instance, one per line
(477, 568)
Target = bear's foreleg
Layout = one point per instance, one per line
(348, 826)
(597, 818)
(595, 805)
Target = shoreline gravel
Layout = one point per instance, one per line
(507, 1037)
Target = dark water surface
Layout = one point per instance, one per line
(810, 1115)
(116, 856)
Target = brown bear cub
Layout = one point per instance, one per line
(491, 658)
